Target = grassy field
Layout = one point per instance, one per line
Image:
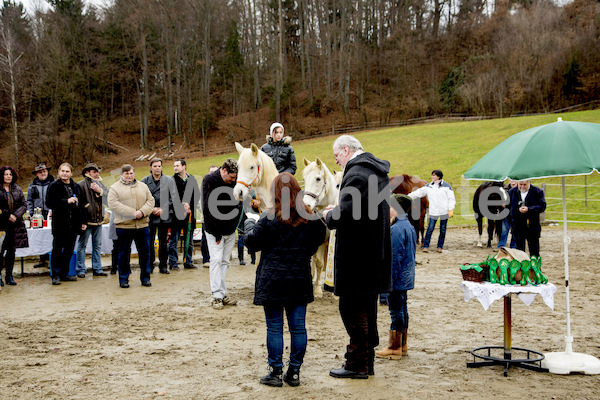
(452, 147)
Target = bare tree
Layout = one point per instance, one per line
(9, 59)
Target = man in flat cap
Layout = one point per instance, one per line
(36, 198)
(94, 193)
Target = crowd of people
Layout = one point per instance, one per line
(163, 208)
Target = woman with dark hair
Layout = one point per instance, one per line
(12, 208)
(287, 237)
(68, 220)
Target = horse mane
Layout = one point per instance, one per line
(269, 169)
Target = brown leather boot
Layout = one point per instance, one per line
(404, 345)
(394, 349)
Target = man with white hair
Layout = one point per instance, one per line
(527, 202)
(363, 259)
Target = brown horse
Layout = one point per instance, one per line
(404, 184)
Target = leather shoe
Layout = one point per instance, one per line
(146, 283)
(81, 276)
(124, 285)
(100, 274)
(164, 271)
(68, 278)
(189, 266)
(346, 373)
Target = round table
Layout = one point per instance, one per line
(487, 293)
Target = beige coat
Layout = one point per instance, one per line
(124, 200)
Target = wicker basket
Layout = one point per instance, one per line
(474, 276)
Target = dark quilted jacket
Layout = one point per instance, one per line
(283, 275)
(19, 208)
(282, 154)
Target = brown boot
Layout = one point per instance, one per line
(394, 350)
(404, 346)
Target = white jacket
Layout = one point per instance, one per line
(440, 195)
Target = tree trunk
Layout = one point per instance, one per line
(178, 128)
(9, 62)
(169, 87)
(279, 68)
(256, 95)
(302, 55)
(144, 143)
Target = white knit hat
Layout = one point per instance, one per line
(275, 125)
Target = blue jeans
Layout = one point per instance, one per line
(296, 317)
(431, 227)
(142, 243)
(513, 240)
(504, 234)
(96, 232)
(398, 310)
(173, 254)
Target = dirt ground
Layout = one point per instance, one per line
(93, 340)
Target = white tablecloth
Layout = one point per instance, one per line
(487, 292)
(40, 242)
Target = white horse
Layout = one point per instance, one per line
(256, 172)
(320, 190)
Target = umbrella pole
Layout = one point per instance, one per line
(568, 338)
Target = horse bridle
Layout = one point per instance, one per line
(249, 185)
(316, 196)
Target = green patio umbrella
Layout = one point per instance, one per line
(562, 148)
(559, 149)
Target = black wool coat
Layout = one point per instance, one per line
(283, 274)
(66, 218)
(16, 230)
(536, 204)
(363, 247)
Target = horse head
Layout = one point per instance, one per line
(319, 184)
(402, 184)
(256, 172)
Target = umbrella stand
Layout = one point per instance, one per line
(568, 362)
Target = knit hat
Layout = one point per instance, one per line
(275, 125)
(404, 201)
